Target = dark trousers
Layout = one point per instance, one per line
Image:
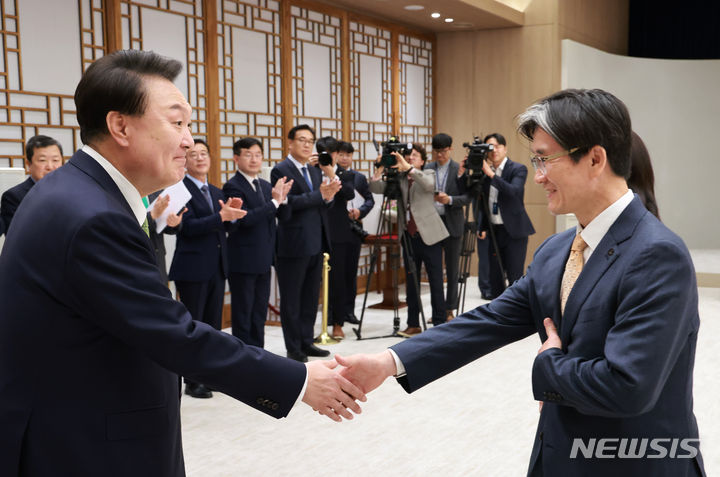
(250, 293)
(338, 288)
(351, 270)
(204, 300)
(512, 252)
(484, 266)
(431, 256)
(299, 282)
(451, 250)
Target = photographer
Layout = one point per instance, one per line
(504, 191)
(450, 201)
(341, 236)
(425, 230)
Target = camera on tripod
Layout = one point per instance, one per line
(477, 153)
(387, 160)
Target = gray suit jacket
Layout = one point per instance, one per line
(420, 197)
(454, 213)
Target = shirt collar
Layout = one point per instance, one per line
(249, 178)
(502, 164)
(129, 192)
(296, 162)
(598, 227)
(197, 182)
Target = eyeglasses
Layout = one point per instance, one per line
(538, 162)
(306, 142)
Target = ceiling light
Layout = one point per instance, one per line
(435, 15)
(414, 7)
(449, 20)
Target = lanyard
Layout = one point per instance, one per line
(441, 184)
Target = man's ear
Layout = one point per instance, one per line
(598, 159)
(118, 127)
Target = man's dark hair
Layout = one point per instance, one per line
(346, 147)
(115, 82)
(246, 143)
(583, 118)
(498, 137)
(441, 141)
(39, 141)
(202, 141)
(328, 144)
(300, 127)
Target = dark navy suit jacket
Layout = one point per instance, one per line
(305, 231)
(628, 335)
(511, 192)
(251, 241)
(362, 188)
(201, 245)
(92, 342)
(11, 199)
(455, 212)
(337, 213)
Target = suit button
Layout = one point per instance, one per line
(611, 252)
(218, 246)
(275, 406)
(260, 401)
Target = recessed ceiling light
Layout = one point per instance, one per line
(435, 15)
(449, 20)
(414, 7)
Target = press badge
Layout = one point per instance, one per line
(495, 208)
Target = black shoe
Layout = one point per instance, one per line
(197, 391)
(352, 319)
(313, 350)
(302, 357)
(486, 296)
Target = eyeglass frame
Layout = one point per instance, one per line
(538, 162)
(307, 142)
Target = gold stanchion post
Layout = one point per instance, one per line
(324, 337)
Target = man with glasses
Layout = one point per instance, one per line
(504, 193)
(302, 237)
(614, 301)
(450, 203)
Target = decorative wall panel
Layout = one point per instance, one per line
(249, 77)
(416, 90)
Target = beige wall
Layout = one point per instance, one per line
(485, 78)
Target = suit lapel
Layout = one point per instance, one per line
(292, 172)
(607, 252)
(197, 194)
(91, 167)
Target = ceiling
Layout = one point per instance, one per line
(466, 14)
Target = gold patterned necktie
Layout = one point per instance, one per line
(573, 267)
(146, 227)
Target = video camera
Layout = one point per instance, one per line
(477, 153)
(387, 160)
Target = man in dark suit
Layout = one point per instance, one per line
(200, 266)
(341, 237)
(302, 239)
(617, 378)
(450, 202)
(91, 340)
(358, 208)
(43, 155)
(174, 222)
(504, 190)
(251, 241)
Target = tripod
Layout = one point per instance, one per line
(469, 237)
(392, 192)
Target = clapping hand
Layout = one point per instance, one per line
(232, 209)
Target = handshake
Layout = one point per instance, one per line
(334, 387)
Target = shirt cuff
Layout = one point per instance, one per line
(450, 203)
(398, 364)
(276, 203)
(301, 396)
